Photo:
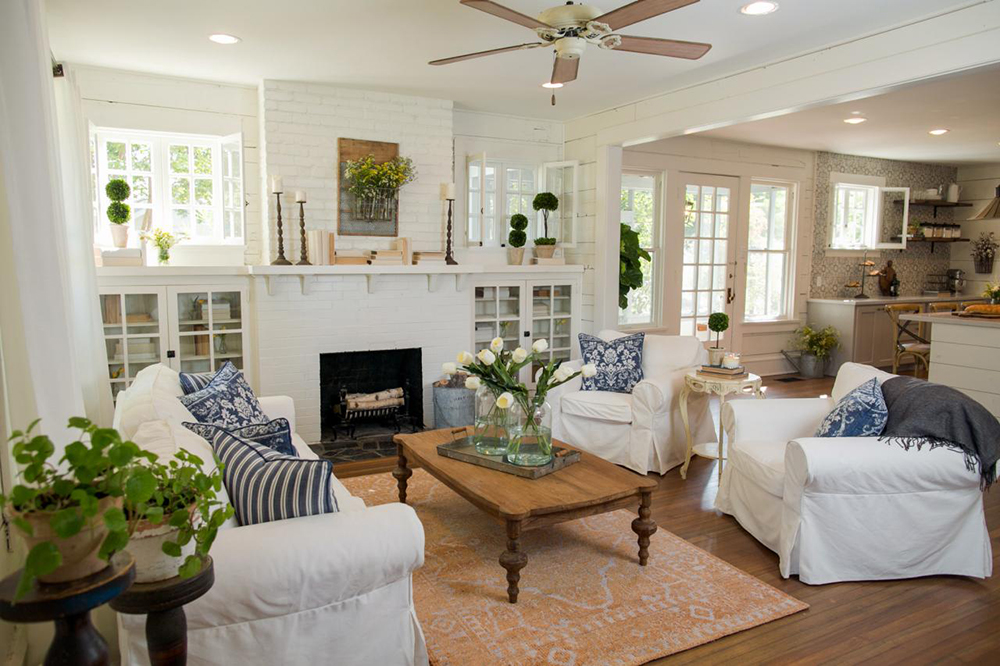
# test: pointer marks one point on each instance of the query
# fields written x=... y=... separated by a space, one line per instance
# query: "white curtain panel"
x=86 y=326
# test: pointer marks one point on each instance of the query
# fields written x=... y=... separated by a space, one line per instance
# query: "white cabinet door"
x=208 y=327
x=553 y=311
x=135 y=331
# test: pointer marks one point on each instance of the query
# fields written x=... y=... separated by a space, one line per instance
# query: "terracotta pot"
x=79 y=552
x=146 y=546
x=545 y=251
x=715 y=355
x=119 y=234
x=515 y=256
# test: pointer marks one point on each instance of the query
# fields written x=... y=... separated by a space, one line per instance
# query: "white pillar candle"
x=276 y=185
x=300 y=196
x=447 y=191
x=731 y=360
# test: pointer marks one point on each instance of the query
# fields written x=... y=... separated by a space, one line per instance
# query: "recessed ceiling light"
x=938 y=132
x=855 y=120
x=223 y=38
x=760 y=8
x=549 y=84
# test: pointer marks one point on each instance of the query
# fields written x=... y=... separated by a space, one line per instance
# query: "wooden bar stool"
x=943 y=307
x=905 y=341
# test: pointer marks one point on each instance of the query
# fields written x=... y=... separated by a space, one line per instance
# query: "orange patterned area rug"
x=584 y=598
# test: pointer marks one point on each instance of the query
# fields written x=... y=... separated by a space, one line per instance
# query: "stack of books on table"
x=436 y=258
x=351 y=258
x=719 y=371
x=549 y=261
x=387 y=258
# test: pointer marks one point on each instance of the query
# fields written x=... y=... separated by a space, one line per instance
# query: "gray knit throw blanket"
x=925 y=414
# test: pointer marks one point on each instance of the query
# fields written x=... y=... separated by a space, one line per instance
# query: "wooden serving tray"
x=976 y=315
x=465 y=450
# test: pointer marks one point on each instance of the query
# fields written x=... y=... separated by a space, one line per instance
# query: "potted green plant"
x=375 y=186
x=119 y=213
x=69 y=511
x=816 y=346
x=718 y=323
x=629 y=264
x=992 y=292
x=164 y=241
x=545 y=245
x=174 y=521
x=516 y=239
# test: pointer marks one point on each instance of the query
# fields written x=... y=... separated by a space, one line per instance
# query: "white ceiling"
x=898 y=123
x=385 y=45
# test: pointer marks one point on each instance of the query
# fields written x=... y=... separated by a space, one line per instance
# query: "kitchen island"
x=965 y=354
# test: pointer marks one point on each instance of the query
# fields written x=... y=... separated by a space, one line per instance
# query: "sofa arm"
x=654 y=395
x=290 y=566
x=867 y=466
x=781 y=419
x=279 y=407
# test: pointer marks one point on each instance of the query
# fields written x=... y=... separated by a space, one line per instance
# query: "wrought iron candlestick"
x=449 y=257
x=280 y=260
x=304 y=261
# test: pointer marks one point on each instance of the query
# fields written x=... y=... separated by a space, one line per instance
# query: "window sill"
x=771 y=325
x=836 y=252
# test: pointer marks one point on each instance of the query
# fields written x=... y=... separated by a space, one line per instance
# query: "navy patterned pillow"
x=618 y=362
x=265 y=486
x=860 y=413
x=192 y=382
x=227 y=400
x=276 y=434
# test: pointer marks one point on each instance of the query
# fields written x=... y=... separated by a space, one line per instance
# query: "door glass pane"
x=687 y=278
x=704 y=272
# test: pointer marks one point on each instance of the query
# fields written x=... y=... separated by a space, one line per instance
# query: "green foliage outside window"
x=631 y=255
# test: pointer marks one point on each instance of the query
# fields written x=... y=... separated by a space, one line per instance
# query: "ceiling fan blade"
x=565 y=70
x=500 y=11
x=672 y=48
x=480 y=54
x=640 y=10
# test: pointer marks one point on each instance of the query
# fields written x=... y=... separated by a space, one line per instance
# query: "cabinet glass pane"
x=228 y=346
x=192 y=312
x=238 y=362
x=562 y=300
x=116 y=388
x=485 y=331
x=142 y=313
x=510 y=302
x=142 y=350
x=111 y=314
x=541 y=328
x=486 y=303
x=194 y=347
x=541 y=305
x=116 y=357
x=198 y=365
x=561 y=334
x=226 y=312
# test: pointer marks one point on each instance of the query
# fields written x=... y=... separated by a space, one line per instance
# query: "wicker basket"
x=984 y=265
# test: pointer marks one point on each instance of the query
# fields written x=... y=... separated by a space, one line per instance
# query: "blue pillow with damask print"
x=860 y=413
x=227 y=400
x=276 y=434
x=618 y=362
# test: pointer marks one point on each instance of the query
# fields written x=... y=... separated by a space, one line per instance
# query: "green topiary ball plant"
x=517 y=237
x=718 y=322
x=118 y=191
x=545 y=202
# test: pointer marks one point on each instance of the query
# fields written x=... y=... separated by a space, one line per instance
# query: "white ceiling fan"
x=570 y=27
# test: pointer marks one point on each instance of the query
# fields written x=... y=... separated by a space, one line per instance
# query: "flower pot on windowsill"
x=545 y=251
x=119 y=234
x=515 y=256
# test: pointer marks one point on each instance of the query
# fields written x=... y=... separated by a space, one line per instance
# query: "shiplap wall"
x=979 y=185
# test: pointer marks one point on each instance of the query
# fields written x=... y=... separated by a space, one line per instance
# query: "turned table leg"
x=685 y=392
x=512 y=559
x=644 y=526
x=166 y=637
x=77 y=642
x=402 y=472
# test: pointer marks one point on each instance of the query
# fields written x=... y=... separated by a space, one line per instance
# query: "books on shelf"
x=719 y=371
x=387 y=258
x=405 y=246
x=351 y=258
x=428 y=258
x=320 y=244
x=549 y=261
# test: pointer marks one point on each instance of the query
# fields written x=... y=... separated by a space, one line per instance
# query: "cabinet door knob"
x=171 y=353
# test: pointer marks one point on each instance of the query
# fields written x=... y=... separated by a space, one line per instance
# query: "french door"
x=708 y=266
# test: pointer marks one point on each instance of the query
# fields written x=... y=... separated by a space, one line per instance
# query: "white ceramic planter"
x=146 y=546
x=515 y=256
x=119 y=234
x=545 y=251
x=715 y=355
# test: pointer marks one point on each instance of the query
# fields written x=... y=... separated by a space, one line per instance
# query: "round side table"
x=76 y=642
x=695 y=382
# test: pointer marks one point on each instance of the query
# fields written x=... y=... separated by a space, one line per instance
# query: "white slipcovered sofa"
x=331 y=589
x=851 y=508
x=643 y=430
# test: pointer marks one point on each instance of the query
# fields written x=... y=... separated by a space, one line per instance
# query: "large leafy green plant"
x=630 y=264
x=818 y=342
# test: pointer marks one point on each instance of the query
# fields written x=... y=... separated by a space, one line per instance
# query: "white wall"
x=979 y=185
x=130 y=100
x=760 y=343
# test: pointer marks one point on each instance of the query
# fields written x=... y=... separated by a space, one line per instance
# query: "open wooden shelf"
x=933 y=241
x=936 y=203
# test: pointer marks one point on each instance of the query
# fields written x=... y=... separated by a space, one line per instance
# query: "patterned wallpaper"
x=912 y=264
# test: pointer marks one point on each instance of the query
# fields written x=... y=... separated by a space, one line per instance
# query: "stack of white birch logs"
x=357 y=402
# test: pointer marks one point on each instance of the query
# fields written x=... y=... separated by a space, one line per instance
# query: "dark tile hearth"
x=353 y=452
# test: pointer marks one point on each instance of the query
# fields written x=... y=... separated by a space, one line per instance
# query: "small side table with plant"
x=545 y=245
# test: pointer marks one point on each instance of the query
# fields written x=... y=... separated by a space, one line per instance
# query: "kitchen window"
x=768 y=281
x=864 y=214
x=641 y=211
x=192 y=184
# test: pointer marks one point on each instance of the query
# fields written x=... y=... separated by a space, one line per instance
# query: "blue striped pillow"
x=192 y=382
x=265 y=486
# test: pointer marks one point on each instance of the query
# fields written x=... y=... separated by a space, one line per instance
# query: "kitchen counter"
x=946 y=318
x=885 y=300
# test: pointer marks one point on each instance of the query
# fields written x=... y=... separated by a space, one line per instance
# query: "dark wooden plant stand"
x=163 y=605
x=76 y=642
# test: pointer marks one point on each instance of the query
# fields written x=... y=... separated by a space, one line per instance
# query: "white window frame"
x=791 y=206
x=565 y=230
x=161 y=176
x=875 y=186
x=655 y=251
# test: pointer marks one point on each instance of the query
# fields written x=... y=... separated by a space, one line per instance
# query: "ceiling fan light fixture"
x=938 y=132
x=223 y=38
x=759 y=8
x=549 y=84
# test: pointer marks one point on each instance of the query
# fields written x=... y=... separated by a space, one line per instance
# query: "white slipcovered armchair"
x=643 y=430
x=850 y=508
x=299 y=591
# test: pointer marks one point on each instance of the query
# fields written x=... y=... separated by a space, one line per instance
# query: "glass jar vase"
x=491 y=431
x=531 y=435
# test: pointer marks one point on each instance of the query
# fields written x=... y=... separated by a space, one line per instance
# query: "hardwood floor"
x=940 y=619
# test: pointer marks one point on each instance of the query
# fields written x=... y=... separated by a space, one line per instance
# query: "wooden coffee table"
x=589 y=487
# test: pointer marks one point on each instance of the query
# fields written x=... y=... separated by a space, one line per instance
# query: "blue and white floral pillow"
x=227 y=401
x=860 y=413
x=275 y=435
x=618 y=362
